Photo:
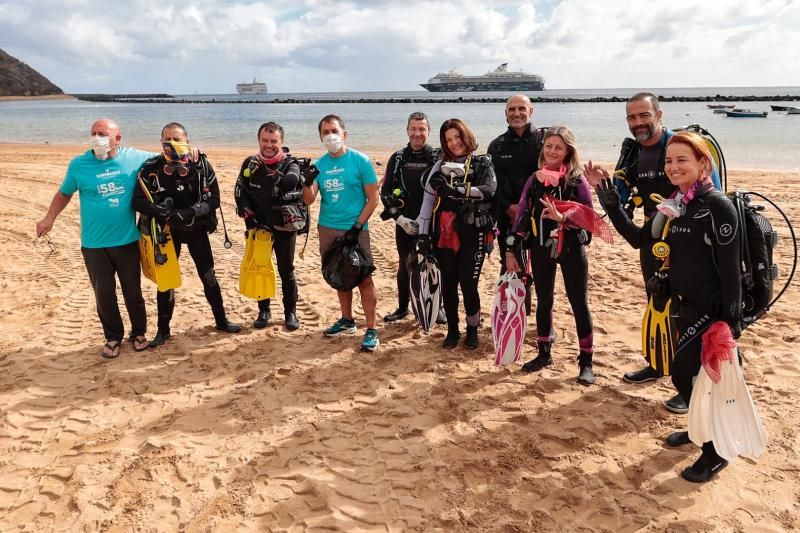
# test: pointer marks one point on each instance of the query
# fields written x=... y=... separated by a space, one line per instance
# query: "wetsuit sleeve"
x=725 y=244
x=488 y=185
x=633 y=234
x=291 y=178
x=389 y=178
x=240 y=193
x=523 y=201
x=428 y=200
x=141 y=202
x=583 y=193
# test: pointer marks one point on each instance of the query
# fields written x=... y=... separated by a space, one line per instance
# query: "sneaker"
x=642 y=376
x=343 y=325
x=371 y=341
x=399 y=314
x=677 y=405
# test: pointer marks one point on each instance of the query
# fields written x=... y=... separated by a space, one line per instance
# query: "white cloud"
x=316 y=45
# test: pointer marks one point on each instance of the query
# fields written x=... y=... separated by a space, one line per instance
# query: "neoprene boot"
x=264 y=314
x=166 y=306
x=707 y=466
x=586 y=374
x=540 y=361
x=451 y=340
x=471 y=341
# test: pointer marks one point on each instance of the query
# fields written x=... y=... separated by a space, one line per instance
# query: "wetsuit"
x=187 y=203
x=458 y=226
x=534 y=231
x=704 y=272
x=269 y=196
x=515 y=159
x=404 y=171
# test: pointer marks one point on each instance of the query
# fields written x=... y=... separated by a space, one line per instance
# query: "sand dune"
x=271 y=430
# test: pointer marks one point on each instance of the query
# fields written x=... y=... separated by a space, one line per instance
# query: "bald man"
x=515 y=156
x=105 y=179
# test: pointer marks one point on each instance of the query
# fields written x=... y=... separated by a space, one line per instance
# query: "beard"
x=643 y=133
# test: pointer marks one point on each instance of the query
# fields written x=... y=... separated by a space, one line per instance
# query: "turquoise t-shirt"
x=341 y=187
x=106 y=196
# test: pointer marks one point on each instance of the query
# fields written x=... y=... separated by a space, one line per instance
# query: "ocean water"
x=770 y=142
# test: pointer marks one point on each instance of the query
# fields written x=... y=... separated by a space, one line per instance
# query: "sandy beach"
x=272 y=430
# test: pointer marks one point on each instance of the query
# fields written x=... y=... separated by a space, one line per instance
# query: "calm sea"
x=770 y=142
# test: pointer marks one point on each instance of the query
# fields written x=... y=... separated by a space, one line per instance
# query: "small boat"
x=793 y=111
x=721 y=111
x=782 y=107
x=720 y=106
x=746 y=113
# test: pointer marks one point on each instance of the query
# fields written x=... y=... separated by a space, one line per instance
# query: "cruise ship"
x=500 y=79
x=257 y=87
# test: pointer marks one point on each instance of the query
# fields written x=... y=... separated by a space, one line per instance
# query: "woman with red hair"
x=697 y=229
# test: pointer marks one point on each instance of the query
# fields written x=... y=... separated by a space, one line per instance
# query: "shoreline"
x=379 y=157
x=41 y=97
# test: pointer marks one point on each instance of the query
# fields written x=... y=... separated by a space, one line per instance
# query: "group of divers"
x=450 y=203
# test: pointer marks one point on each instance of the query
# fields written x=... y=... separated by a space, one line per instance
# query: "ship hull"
x=252 y=88
x=483 y=86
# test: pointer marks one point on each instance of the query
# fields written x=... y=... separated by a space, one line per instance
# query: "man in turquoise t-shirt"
x=348 y=190
x=105 y=178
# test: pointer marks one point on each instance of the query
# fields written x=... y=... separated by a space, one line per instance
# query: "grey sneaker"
x=343 y=325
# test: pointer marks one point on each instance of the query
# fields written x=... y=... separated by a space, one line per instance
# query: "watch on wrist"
x=358 y=225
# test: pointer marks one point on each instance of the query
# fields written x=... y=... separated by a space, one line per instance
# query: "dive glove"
x=407 y=225
x=444 y=189
x=309 y=172
x=608 y=195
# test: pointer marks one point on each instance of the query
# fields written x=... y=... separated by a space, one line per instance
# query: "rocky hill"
x=18 y=79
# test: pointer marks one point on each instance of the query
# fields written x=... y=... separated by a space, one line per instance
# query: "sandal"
x=140 y=343
x=113 y=347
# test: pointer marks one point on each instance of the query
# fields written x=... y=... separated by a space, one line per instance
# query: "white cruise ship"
x=500 y=79
x=257 y=87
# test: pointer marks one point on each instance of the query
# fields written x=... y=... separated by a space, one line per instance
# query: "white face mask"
x=100 y=145
x=333 y=143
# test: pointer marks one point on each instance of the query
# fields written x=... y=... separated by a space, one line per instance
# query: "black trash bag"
x=346 y=265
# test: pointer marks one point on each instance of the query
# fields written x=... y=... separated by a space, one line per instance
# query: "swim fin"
x=736 y=428
x=257 y=272
x=657 y=334
x=426 y=290
x=157 y=256
x=509 y=319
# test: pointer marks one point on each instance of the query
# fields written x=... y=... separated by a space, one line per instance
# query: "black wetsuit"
x=273 y=192
x=187 y=203
x=704 y=273
x=514 y=158
x=573 y=261
x=472 y=219
x=404 y=171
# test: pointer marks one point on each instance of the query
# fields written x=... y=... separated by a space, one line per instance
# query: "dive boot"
x=228 y=326
x=263 y=319
x=399 y=314
x=471 y=341
x=542 y=360
x=451 y=340
x=161 y=337
x=706 y=467
x=586 y=375
x=291 y=321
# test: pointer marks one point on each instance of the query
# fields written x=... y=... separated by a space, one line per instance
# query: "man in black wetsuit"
x=515 y=156
x=269 y=195
x=185 y=195
x=402 y=191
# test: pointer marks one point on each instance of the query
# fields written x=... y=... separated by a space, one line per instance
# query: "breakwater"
x=169 y=99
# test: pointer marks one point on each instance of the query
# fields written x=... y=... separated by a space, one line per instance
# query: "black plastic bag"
x=346 y=265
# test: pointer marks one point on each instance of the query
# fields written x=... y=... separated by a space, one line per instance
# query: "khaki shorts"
x=327 y=236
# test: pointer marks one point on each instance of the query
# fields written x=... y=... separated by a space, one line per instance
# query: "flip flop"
x=114 y=347
x=140 y=343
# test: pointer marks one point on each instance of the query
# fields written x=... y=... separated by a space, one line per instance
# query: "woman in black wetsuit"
x=536 y=227
x=704 y=273
x=455 y=219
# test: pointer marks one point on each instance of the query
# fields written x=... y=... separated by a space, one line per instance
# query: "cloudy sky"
x=207 y=46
